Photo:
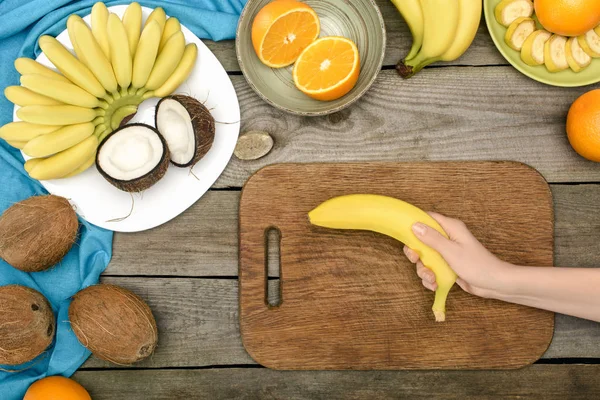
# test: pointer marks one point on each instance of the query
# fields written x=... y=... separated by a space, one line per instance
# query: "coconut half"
x=187 y=126
x=133 y=157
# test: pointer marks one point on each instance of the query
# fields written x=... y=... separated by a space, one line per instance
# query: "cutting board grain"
x=350 y=299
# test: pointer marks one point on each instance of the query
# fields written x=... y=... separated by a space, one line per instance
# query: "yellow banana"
x=120 y=56
x=132 y=20
x=71 y=31
x=94 y=56
x=158 y=15
x=88 y=163
x=59 y=140
x=17 y=144
x=70 y=67
x=181 y=73
x=65 y=162
x=468 y=23
x=32 y=162
x=412 y=14
x=172 y=26
x=56 y=115
x=99 y=27
x=440 y=23
x=391 y=217
x=145 y=55
x=58 y=90
x=167 y=61
x=27 y=66
x=25 y=131
x=24 y=97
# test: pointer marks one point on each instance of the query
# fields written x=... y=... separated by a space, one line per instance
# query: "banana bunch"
x=442 y=30
x=394 y=218
x=118 y=64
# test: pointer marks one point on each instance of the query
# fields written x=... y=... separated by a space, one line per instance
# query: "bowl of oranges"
x=556 y=42
x=310 y=58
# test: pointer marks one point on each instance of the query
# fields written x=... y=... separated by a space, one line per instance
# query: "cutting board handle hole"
x=273 y=290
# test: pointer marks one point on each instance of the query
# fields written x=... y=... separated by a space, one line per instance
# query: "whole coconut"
x=26 y=324
x=38 y=232
x=113 y=323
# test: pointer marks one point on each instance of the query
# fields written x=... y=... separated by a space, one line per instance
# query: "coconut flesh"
x=38 y=232
x=133 y=157
x=113 y=323
x=187 y=126
x=26 y=324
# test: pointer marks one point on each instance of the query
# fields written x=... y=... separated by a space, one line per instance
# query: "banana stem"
x=148 y=94
x=414 y=50
x=408 y=68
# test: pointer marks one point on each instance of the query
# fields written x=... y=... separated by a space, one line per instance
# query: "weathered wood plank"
x=399 y=40
x=203 y=241
x=198 y=325
x=443 y=114
x=545 y=382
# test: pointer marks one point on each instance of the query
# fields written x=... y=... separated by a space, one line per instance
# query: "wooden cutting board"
x=351 y=300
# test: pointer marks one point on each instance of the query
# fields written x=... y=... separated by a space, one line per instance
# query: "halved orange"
x=328 y=68
x=281 y=30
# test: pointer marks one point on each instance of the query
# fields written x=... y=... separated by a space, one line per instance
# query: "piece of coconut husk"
x=145 y=181
x=203 y=125
x=38 y=232
x=113 y=323
x=26 y=324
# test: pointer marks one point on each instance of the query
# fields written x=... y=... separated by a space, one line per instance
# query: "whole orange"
x=56 y=388
x=583 y=125
x=568 y=17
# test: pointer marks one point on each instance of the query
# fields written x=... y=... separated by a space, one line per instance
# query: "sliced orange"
x=328 y=68
x=281 y=30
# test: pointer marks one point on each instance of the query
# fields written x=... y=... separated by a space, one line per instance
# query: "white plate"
x=98 y=201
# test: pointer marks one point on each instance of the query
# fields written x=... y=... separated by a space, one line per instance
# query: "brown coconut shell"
x=203 y=124
x=26 y=324
x=38 y=232
x=145 y=181
x=113 y=323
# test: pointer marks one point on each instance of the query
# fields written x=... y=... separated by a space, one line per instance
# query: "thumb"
x=432 y=238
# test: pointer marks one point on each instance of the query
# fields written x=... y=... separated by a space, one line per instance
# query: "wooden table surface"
x=476 y=108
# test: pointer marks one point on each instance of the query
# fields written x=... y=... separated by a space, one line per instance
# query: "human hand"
x=479 y=271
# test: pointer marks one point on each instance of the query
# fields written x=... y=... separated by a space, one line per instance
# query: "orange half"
x=281 y=30
x=328 y=68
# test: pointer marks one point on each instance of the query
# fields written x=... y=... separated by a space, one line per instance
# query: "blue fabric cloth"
x=22 y=23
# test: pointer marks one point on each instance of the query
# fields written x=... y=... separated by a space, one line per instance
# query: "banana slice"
x=555 y=56
x=518 y=32
x=596 y=29
x=576 y=57
x=508 y=11
x=590 y=43
x=532 y=52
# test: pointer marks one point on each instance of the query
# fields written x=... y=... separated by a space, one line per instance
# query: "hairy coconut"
x=113 y=323
x=187 y=126
x=26 y=324
x=133 y=157
x=38 y=232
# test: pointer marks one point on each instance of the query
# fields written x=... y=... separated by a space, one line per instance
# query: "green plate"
x=358 y=20
x=566 y=78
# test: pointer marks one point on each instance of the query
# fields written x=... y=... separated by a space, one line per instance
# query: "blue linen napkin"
x=23 y=22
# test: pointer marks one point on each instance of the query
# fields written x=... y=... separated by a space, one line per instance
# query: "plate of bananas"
x=127 y=114
x=553 y=59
